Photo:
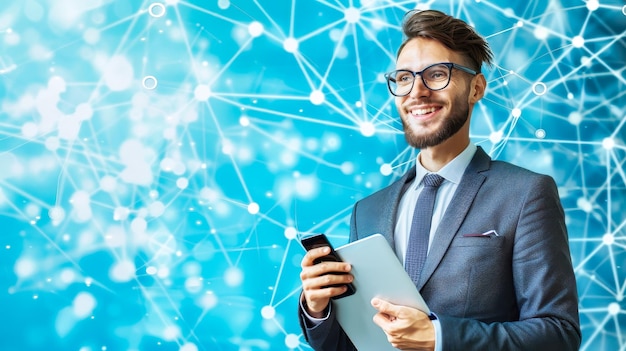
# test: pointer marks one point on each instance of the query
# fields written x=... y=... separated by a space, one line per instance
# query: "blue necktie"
x=420 y=227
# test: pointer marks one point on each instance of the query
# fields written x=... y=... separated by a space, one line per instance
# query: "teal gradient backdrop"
x=161 y=159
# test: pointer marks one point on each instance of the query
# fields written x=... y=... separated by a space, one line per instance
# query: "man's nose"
x=419 y=88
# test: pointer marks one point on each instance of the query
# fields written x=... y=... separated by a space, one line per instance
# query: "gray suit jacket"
x=515 y=291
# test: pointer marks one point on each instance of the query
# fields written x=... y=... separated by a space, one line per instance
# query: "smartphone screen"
x=320 y=240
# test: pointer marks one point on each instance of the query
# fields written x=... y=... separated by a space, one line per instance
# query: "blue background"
x=161 y=159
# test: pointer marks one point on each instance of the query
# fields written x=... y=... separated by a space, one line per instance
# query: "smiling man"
x=484 y=241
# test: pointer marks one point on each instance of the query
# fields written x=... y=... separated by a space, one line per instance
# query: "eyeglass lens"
x=435 y=77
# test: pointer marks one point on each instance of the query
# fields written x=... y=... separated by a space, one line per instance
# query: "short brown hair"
x=451 y=32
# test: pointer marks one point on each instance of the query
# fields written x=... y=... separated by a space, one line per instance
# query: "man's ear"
x=477 y=88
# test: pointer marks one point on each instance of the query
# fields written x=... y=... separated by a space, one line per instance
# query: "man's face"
x=432 y=117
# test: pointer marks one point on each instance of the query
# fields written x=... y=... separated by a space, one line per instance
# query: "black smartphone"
x=319 y=240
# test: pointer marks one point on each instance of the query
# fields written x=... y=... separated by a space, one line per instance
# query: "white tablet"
x=377 y=273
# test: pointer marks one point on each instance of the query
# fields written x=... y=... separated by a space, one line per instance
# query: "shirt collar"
x=453 y=171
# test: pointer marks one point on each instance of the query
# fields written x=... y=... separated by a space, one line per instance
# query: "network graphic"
x=161 y=159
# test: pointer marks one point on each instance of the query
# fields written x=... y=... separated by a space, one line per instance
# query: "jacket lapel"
x=455 y=213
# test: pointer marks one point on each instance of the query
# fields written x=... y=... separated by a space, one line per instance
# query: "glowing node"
x=156 y=10
x=592 y=5
x=149 y=82
x=208 y=301
x=608 y=143
x=386 y=169
x=291 y=233
x=182 y=183
x=171 y=333
x=347 y=167
x=30 y=130
x=292 y=341
x=83 y=305
x=584 y=205
x=508 y=12
x=352 y=15
x=151 y=270
x=496 y=137
x=223 y=4
x=516 y=112
x=122 y=271
x=255 y=29
x=233 y=277
x=317 y=97
x=540 y=133
x=291 y=45
x=578 y=41
x=202 y=92
x=56 y=214
x=519 y=24
x=367 y=129
x=575 y=118
x=570 y=96
x=253 y=208
x=624 y=10
x=608 y=239
x=189 y=347
x=541 y=33
x=268 y=312
x=585 y=61
x=614 y=308
x=25 y=267
x=540 y=88
x=358 y=104
x=244 y=121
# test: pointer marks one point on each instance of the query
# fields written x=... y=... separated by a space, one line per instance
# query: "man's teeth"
x=423 y=111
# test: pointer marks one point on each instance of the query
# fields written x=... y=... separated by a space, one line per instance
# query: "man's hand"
x=317 y=278
x=406 y=328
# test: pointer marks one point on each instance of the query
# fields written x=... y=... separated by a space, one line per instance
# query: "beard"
x=451 y=125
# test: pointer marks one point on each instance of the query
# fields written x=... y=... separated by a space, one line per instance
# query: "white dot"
x=519 y=24
x=156 y=209
x=156 y=10
x=570 y=96
x=575 y=118
x=290 y=233
x=208 y=301
x=614 y=308
x=592 y=5
x=244 y=121
x=585 y=61
x=149 y=82
x=292 y=341
x=584 y=205
x=540 y=88
x=608 y=143
x=367 y=129
x=291 y=45
x=578 y=41
x=495 y=137
x=189 y=347
x=151 y=270
x=171 y=333
x=223 y=4
x=233 y=276
x=541 y=33
x=253 y=208
x=347 y=167
x=352 y=15
x=268 y=312
x=182 y=183
x=29 y=130
x=386 y=169
x=56 y=214
x=25 y=267
x=255 y=29
x=317 y=97
x=83 y=305
x=516 y=112
x=540 y=133
x=624 y=10
x=202 y=92
x=122 y=271
x=608 y=239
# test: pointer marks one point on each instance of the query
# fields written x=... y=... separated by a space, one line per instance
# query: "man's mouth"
x=419 y=112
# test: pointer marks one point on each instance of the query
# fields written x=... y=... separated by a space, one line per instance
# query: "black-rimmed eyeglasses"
x=435 y=77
